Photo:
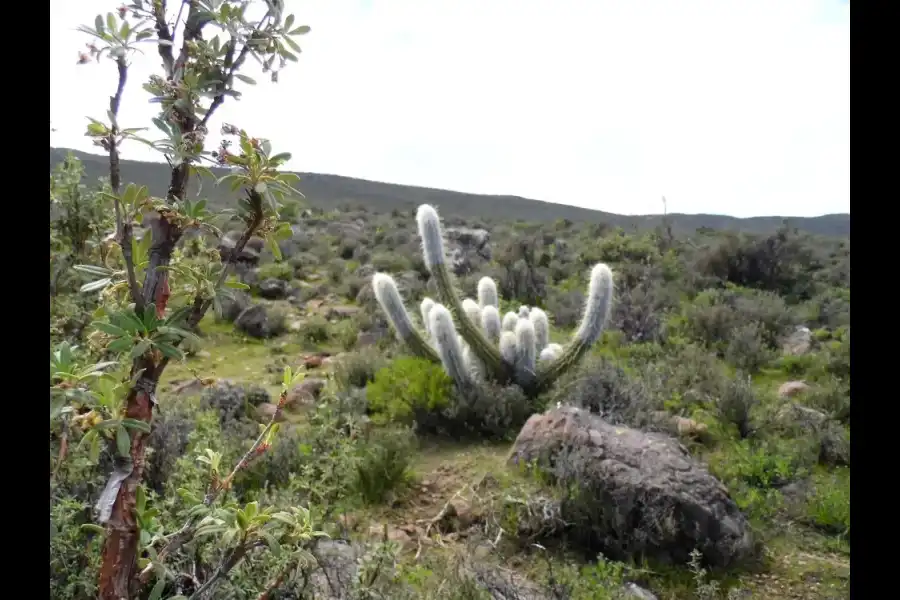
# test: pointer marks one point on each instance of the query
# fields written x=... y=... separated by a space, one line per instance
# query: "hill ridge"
x=331 y=191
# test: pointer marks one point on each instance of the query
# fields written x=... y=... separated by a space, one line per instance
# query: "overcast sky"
x=737 y=107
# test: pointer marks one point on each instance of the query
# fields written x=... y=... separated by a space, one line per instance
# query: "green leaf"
x=93 y=528
x=281 y=158
x=107 y=424
x=245 y=79
x=98 y=24
x=120 y=345
x=288 y=376
x=96 y=129
x=294 y=46
x=109 y=328
x=94 y=447
x=141 y=426
x=95 y=285
x=123 y=442
x=110 y=22
x=169 y=351
x=238 y=285
x=302 y=30
x=140 y=498
x=274 y=546
x=140 y=348
x=288 y=22
x=273 y=246
x=94 y=270
x=158 y=589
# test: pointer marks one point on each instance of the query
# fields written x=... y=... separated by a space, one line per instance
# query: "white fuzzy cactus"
x=516 y=349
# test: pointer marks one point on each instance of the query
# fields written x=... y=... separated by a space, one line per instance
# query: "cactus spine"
x=516 y=349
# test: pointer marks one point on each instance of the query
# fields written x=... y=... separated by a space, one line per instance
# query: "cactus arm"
x=449 y=347
x=424 y=308
x=490 y=322
x=541 y=328
x=487 y=293
x=433 y=251
x=508 y=347
x=525 y=345
x=392 y=304
x=596 y=313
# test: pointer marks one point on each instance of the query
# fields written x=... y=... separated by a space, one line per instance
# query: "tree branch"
x=124 y=233
x=164 y=34
x=183 y=535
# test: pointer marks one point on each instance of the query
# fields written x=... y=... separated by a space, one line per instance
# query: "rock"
x=797 y=414
x=250 y=253
x=790 y=389
x=273 y=289
x=314 y=361
x=643 y=493
x=232 y=399
x=798 y=342
x=834 y=445
x=305 y=393
x=336 y=566
x=341 y=312
x=676 y=425
x=266 y=411
x=632 y=591
x=365 y=339
x=254 y=321
x=231 y=305
x=394 y=534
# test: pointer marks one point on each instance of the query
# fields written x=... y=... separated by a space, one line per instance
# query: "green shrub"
x=406 y=387
x=315 y=330
x=358 y=369
x=383 y=464
x=746 y=349
x=276 y=270
x=828 y=507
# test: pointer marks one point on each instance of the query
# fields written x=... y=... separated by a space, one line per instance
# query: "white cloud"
x=738 y=108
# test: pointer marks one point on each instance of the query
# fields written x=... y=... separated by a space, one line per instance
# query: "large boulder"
x=256 y=322
x=232 y=304
x=274 y=289
x=633 y=493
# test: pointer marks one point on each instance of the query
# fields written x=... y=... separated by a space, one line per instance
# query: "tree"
x=203 y=46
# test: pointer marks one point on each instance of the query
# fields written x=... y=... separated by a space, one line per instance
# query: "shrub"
x=736 y=403
x=831 y=396
x=383 y=463
x=603 y=387
x=276 y=270
x=358 y=369
x=408 y=387
x=714 y=314
x=315 y=330
x=233 y=401
x=747 y=349
x=828 y=507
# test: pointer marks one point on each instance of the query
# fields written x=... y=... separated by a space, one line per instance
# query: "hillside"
x=334 y=190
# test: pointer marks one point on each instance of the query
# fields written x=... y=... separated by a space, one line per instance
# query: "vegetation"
x=287 y=444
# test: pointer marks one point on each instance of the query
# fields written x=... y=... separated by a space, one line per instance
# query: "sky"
x=733 y=107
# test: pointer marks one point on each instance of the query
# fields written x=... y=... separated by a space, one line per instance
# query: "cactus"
x=514 y=350
x=509 y=321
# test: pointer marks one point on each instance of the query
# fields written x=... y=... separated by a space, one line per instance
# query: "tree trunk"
x=120 y=548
